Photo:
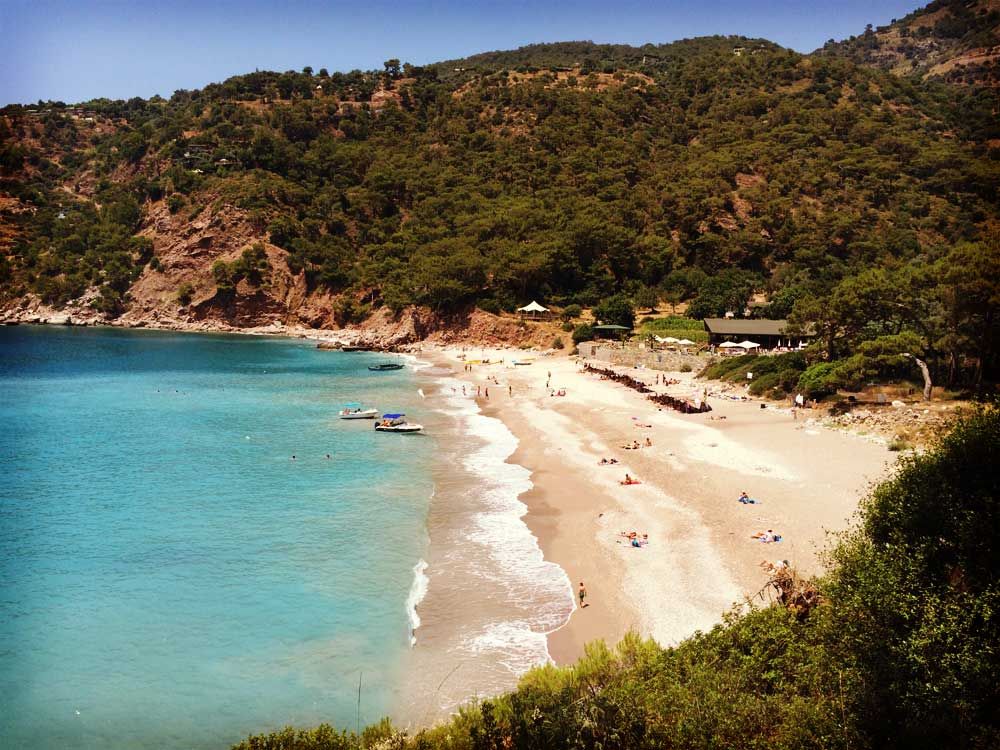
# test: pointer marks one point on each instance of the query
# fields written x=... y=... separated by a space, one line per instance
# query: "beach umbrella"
x=685 y=342
x=748 y=344
x=729 y=345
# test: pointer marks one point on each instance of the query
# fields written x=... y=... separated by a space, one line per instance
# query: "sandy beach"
x=700 y=559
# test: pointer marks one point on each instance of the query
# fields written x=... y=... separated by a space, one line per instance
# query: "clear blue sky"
x=75 y=50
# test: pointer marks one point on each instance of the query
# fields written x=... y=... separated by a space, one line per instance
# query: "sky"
x=75 y=50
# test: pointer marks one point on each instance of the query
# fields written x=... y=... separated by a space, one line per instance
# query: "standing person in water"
x=582 y=593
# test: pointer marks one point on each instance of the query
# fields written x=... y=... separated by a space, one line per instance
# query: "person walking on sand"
x=582 y=594
x=510 y=390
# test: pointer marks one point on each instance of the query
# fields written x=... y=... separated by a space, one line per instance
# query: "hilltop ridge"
x=705 y=171
x=957 y=41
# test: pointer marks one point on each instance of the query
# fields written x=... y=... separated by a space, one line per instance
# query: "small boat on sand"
x=357 y=411
x=396 y=423
x=382 y=367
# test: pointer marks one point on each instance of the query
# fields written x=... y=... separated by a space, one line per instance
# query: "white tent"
x=729 y=345
x=748 y=344
x=534 y=310
x=665 y=339
x=685 y=342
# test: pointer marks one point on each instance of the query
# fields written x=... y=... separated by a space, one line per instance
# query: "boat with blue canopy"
x=396 y=423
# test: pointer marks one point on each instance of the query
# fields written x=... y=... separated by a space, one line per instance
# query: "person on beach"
x=487 y=393
x=582 y=594
x=510 y=390
x=649 y=443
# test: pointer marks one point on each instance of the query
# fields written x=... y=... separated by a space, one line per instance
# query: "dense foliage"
x=902 y=653
x=708 y=171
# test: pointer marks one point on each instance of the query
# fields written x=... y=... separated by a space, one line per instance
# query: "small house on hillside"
x=770 y=334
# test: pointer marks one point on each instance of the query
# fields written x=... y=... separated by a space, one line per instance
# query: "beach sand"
x=700 y=559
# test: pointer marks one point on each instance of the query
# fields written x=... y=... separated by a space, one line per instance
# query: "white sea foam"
x=418 y=590
x=539 y=591
x=514 y=644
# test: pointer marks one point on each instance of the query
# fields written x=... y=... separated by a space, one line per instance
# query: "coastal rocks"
x=898 y=422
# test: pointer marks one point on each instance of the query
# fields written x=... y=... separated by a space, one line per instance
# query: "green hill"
x=706 y=170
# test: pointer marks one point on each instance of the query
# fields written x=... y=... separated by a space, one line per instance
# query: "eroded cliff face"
x=185 y=250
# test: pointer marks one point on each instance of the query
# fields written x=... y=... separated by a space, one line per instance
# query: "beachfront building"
x=769 y=334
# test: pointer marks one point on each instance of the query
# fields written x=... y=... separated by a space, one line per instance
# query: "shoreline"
x=700 y=561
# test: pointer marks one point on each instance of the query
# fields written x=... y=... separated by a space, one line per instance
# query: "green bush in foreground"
x=902 y=653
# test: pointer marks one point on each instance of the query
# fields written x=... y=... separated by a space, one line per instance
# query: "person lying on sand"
x=746 y=499
x=634 y=539
x=629 y=480
x=641 y=424
x=607 y=461
x=766 y=536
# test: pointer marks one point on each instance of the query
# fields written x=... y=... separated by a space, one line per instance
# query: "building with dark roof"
x=770 y=334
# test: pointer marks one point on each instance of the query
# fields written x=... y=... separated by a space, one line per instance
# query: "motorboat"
x=396 y=423
x=384 y=366
x=357 y=411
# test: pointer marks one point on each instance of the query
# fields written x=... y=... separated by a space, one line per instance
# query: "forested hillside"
x=953 y=40
x=707 y=171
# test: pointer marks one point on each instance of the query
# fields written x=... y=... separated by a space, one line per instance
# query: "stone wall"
x=633 y=355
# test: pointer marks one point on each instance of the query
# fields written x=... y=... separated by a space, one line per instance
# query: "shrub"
x=686 y=367
x=570 y=312
x=557 y=343
x=567 y=327
x=583 y=332
x=185 y=292
x=616 y=310
x=898 y=444
x=819 y=380
x=175 y=203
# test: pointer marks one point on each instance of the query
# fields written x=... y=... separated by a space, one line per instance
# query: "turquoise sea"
x=171 y=577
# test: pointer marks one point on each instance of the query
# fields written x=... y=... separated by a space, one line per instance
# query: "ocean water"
x=171 y=578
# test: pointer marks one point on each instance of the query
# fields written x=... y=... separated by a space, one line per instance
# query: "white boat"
x=356 y=411
x=396 y=423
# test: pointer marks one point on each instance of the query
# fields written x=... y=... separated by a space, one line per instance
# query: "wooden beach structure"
x=768 y=334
